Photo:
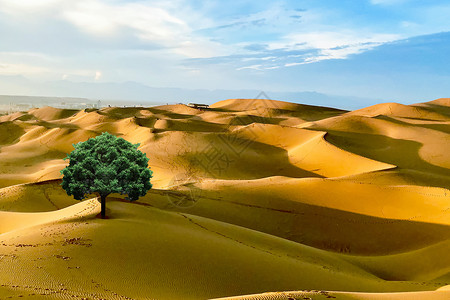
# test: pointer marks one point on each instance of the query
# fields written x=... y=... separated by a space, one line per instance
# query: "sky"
x=389 y=50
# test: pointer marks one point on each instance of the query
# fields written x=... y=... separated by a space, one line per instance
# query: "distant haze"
x=347 y=54
x=131 y=93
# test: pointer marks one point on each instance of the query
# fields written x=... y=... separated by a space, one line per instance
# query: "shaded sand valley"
x=264 y=198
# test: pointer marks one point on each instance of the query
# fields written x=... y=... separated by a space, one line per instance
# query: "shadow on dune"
x=399 y=152
x=52 y=113
x=219 y=109
x=250 y=119
x=441 y=109
x=168 y=125
x=168 y=113
x=320 y=227
x=116 y=112
x=230 y=156
x=55 y=125
x=10 y=133
x=306 y=113
x=444 y=128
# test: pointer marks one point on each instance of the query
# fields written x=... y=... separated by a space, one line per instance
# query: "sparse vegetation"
x=106 y=164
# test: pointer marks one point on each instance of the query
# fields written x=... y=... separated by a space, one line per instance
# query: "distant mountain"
x=39 y=100
x=136 y=93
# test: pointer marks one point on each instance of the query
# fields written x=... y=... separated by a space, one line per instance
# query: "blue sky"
x=392 y=50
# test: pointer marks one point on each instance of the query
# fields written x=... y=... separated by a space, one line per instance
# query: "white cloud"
x=317 y=34
x=330 y=45
x=13 y=6
x=408 y=25
x=294 y=64
x=172 y=27
x=22 y=69
x=148 y=22
x=331 y=39
x=272 y=68
x=42 y=66
x=92 y=17
x=388 y=2
x=268 y=58
x=24 y=55
x=252 y=67
x=258 y=67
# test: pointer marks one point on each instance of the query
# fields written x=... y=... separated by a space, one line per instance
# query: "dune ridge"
x=249 y=196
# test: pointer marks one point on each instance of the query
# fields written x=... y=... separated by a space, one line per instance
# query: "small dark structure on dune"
x=198 y=105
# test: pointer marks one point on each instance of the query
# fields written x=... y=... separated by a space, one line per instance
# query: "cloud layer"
x=200 y=44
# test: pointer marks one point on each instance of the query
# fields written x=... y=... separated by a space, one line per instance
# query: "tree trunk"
x=103 y=202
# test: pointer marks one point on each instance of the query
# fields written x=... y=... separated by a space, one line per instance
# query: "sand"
x=250 y=197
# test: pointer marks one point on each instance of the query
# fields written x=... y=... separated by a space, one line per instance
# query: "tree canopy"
x=106 y=164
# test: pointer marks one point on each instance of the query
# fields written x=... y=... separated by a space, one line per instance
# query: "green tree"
x=106 y=164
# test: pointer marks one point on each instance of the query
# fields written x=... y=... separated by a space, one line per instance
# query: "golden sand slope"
x=146 y=252
x=317 y=295
x=250 y=196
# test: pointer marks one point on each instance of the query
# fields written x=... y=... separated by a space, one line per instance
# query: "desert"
x=251 y=199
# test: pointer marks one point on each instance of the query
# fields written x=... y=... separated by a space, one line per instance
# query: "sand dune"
x=164 y=255
x=424 y=112
x=320 y=213
x=41 y=196
x=308 y=294
x=250 y=196
x=410 y=146
x=50 y=113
